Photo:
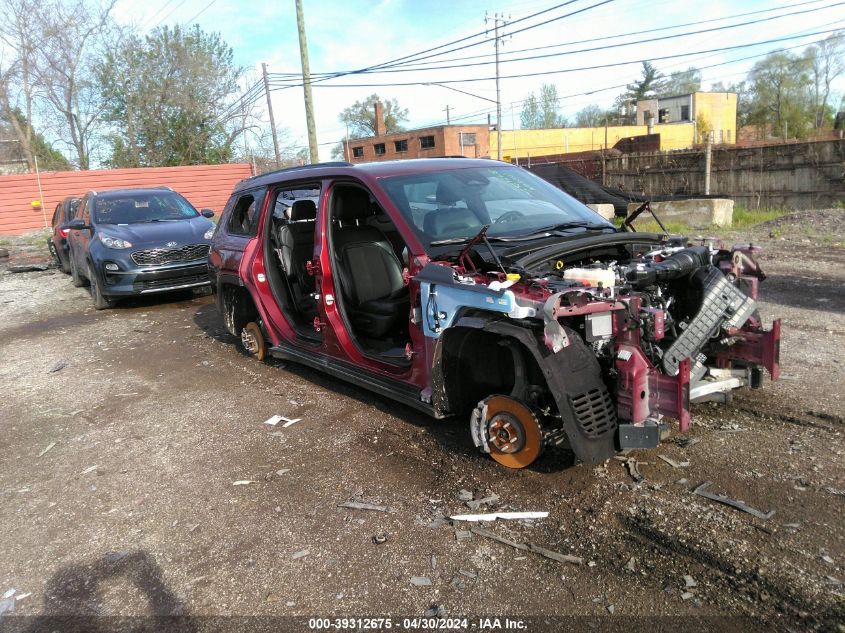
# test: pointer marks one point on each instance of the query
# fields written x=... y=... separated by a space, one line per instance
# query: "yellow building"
x=681 y=121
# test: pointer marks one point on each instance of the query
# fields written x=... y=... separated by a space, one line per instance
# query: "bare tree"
x=827 y=63
x=20 y=22
x=66 y=70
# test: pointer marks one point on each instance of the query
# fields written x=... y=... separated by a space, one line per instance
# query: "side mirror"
x=207 y=213
x=77 y=224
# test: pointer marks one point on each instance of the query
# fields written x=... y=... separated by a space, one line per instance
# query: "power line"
x=609 y=46
x=170 y=12
x=407 y=57
x=207 y=7
x=577 y=69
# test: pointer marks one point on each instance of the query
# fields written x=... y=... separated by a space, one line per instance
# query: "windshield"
x=455 y=203
x=147 y=207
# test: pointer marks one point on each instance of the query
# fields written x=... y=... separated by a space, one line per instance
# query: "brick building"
x=472 y=141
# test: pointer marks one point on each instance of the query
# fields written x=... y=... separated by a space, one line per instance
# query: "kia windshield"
x=139 y=208
x=451 y=206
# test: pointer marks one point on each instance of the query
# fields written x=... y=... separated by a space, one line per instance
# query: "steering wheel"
x=507 y=216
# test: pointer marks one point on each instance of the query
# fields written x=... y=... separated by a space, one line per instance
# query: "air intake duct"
x=681 y=264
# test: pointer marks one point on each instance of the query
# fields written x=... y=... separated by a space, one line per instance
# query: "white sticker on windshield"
x=141 y=204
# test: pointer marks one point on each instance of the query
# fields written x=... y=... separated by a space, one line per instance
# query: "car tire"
x=76 y=279
x=100 y=302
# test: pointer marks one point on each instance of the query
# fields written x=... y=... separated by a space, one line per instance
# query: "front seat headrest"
x=352 y=203
x=302 y=210
x=446 y=194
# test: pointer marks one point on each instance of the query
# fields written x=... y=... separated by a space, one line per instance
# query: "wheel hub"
x=506 y=428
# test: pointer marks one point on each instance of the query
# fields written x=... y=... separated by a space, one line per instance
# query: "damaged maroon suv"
x=475 y=289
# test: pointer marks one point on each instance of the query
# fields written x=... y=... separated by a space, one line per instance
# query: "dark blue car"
x=138 y=241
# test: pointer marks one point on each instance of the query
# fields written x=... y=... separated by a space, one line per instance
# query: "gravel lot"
x=124 y=433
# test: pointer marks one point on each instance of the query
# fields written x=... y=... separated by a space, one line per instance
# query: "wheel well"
x=236 y=307
x=476 y=364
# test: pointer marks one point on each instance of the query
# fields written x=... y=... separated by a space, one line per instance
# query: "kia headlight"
x=210 y=232
x=113 y=242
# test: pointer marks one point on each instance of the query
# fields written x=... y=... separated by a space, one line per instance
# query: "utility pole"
x=306 y=81
x=448 y=120
x=272 y=119
x=708 y=161
x=497 y=19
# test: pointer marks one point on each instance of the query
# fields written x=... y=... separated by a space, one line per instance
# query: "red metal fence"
x=206 y=186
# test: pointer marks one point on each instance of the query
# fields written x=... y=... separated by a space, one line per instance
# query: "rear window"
x=140 y=208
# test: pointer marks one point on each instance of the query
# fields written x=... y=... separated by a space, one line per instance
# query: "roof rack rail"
x=284 y=170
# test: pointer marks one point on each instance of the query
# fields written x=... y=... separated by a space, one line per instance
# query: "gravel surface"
x=137 y=477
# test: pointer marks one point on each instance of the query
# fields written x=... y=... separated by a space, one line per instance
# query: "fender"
x=573 y=376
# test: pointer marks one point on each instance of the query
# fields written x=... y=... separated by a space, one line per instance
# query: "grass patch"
x=744 y=218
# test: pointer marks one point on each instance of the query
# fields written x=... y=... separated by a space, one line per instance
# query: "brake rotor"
x=253 y=340
x=508 y=430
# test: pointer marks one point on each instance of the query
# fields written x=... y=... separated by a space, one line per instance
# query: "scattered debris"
x=360 y=505
x=687 y=595
x=436 y=611
x=462 y=535
x=464 y=495
x=9 y=593
x=631 y=565
x=300 y=554
x=7 y=605
x=282 y=471
x=633 y=470
x=22 y=596
x=739 y=505
x=420 y=581
x=28 y=268
x=686 y=442
x=733 y=427
x=273 y=421
x=530 y=547
x=827 y=559
x=244 y=482
x=46 y=450
x=592 y=563
x=59 y=366
x=468 y=574
x=433 y=562
x=492 y=516
x=90 y=469
x=611 y=609
x=379 y=539
x=488 y=501
x=673 y=463
x=690 y=582
x=835 y=491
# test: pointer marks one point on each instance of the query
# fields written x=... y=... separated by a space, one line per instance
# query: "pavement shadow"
x=74 y=598
x=451 y=433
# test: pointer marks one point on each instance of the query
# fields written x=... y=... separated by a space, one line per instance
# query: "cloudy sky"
x=348 y=35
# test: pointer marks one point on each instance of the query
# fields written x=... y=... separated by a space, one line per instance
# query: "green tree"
x=163 y=94
x=780 y=100
x=590 y=116
x=542 y=112
x=680 y=82
x=827 y=64
x=361 y=117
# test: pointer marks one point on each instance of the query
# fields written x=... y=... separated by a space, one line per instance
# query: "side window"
x=244 y=218
x=85 y=211
x=57 y=215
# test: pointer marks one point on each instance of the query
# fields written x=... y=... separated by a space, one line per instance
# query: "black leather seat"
x=449 y=219
x=370 y=275
x=296 y=248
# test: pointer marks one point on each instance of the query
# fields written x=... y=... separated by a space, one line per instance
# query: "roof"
x=138 y=191
x=380 y=169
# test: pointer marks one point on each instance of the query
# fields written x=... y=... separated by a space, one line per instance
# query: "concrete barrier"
x=697 y=212
x=604 y=210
